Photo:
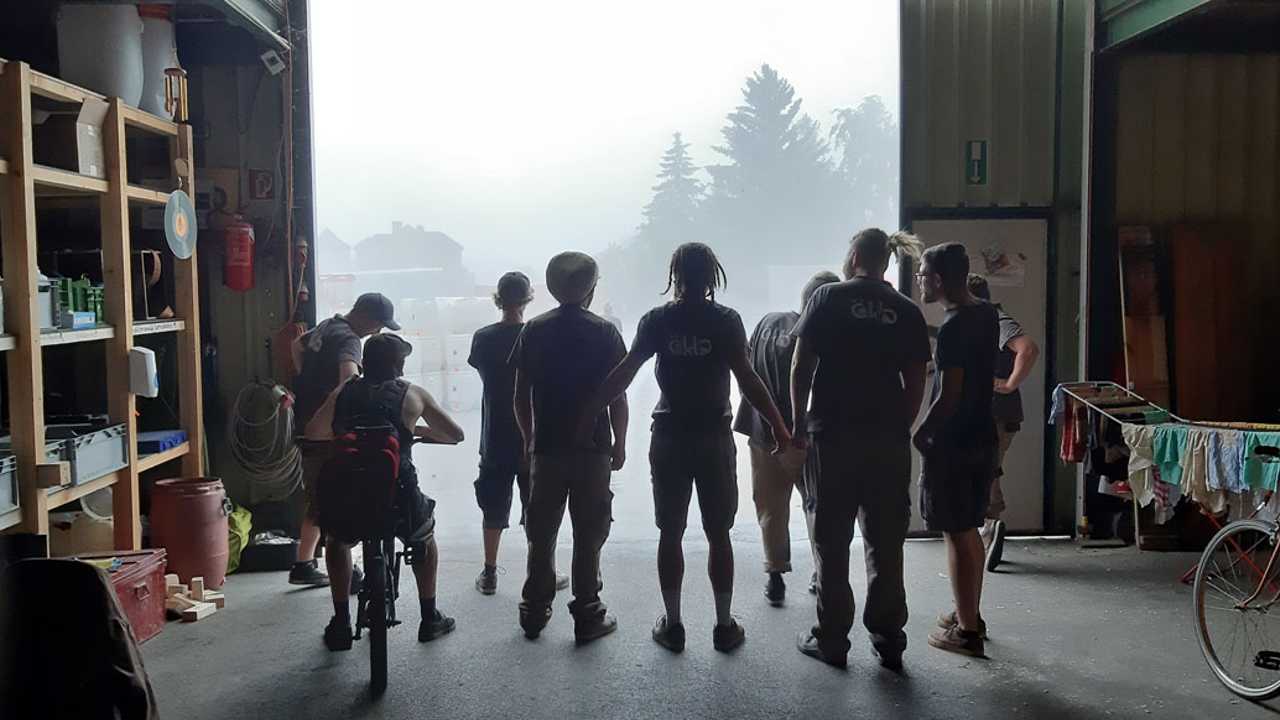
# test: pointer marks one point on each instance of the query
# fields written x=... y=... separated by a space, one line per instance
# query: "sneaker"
x=596 y=627
x=439 y=624
x=533 y=621
x=948 y=620
x=337 y=635
x=487 y=582
x=813 y=583
x=808 y=645
x=727 y=638
x=562 y=581
x=775 y=590
x=670 y=637
x=958 y=641
x=308 y=573
x=995 y=548
x=889 y=659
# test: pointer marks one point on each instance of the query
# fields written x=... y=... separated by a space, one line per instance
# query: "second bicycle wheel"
x=1236 y=609
x=376 y=577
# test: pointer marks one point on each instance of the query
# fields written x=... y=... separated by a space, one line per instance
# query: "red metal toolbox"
x=139 y=583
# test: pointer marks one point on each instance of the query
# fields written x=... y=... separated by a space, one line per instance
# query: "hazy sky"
x=523 y=128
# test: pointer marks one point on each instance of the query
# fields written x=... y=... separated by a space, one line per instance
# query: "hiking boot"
x=890 y=659
x=562 y=581
x=813 y=583
x=669 y=636
x=946 y=621
x=439 y=624
x=808 y=645
x=487 y=582
x=308 y=573
x=775 y=590
x=594 y=628
x=961 y=642
x=995 y=547
x=727 y=638
x=337 y=634
x=533 y=621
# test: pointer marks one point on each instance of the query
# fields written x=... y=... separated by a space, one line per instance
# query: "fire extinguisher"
x=237 y=267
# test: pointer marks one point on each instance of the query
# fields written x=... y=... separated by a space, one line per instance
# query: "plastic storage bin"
x=139 y=583
x=54 y=451
x=92 y=450
x=8 y=482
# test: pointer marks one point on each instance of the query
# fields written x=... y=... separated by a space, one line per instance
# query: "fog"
x=521 y=129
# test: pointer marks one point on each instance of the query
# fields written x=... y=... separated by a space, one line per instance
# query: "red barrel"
x=189 y=520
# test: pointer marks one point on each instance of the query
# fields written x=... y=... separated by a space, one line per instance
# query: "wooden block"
x=172 y=579
x=179 y=603
x=197 y=588
x=51 y=475
x=216 y=598
x=171 y=590
x=198 y=611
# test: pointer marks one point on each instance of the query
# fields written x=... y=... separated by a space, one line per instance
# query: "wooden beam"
x=117 y=304
x=59 y=179
x=147 y=195
x=75 y=492
x=70 y=337
x=144 y=120
x=147 y=462
x=18 y=220
x=187 y=290
x=53 y=474
x=55 y=89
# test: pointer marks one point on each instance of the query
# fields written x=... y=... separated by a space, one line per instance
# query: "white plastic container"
x=100 y=48
x=457 y=348
x=158 y=54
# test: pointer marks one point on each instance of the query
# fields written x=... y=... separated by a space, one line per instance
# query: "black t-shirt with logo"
x=491 y=357
x=694 y=342
x=864 y=334
x=567 y=353
x=771 y=348
x=324 y=349
x=968 y=339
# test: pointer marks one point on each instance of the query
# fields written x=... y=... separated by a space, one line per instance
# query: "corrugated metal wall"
x=978 y=70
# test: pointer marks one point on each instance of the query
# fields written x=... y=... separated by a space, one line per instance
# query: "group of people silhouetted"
x=829 y=400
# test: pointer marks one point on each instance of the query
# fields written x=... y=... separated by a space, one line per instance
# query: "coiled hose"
x=261 y=436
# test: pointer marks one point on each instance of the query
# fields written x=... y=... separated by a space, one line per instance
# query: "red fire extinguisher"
x=237 y=268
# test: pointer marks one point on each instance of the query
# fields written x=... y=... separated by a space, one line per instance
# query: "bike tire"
x=376 y=576
x=1206 y=571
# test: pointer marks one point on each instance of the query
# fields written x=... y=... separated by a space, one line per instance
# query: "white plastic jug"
x=100 y=48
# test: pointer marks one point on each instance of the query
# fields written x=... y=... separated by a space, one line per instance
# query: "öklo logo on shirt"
x=874 y=310
x=688 y=346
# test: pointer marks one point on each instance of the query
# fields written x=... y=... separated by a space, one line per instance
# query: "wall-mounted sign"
x=975 y=162
x=262 y=184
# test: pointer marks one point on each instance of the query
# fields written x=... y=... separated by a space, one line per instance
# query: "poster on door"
x=1002 y=266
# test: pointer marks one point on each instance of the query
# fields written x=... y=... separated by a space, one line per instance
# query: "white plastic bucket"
x=100 y=48
x=158 y=54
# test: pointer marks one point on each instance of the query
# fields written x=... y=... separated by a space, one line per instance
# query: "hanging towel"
x=1058 y=406
x=1259 y=474
x=1195 y=471
x=1141 y=480
x=1168 y=448
x=1226 y=468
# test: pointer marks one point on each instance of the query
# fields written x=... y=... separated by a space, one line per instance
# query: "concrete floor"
x=1075 y=633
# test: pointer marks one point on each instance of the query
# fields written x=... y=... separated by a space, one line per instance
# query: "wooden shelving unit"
x=21 y=182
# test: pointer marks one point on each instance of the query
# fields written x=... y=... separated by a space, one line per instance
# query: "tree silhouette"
x=674 y=207
x=865 y=141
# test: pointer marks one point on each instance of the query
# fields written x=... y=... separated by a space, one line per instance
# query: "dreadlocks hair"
x=695 y=272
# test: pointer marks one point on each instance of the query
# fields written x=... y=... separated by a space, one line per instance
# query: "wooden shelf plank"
x=8 y=342
x=68 y=337
x=55 y=89
x=75 y=492
x=11 y=518
x=58 y=179
x=147 y=195
x=147 y=462
x=155 y=327
x=133 y=117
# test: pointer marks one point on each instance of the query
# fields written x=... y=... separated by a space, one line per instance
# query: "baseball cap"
x=514 y=288
x=383 y=352
x=571 y=276
x=377 y=307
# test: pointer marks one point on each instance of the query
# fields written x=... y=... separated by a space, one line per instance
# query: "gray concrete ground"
x=1075 y=633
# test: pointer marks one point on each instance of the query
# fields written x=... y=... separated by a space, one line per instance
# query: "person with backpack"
x=699 y=343
x=381 y=397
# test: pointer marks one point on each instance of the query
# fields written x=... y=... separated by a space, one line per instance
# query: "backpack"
x=357 y=485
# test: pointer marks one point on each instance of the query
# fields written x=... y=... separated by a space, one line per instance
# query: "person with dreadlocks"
x=698 y=342
x=862 y=348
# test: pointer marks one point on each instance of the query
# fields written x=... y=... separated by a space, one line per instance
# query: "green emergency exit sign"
x=975 y=162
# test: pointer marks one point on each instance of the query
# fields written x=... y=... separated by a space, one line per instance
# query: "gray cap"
x=514 y=289
x=571 y=276
x=376 y=306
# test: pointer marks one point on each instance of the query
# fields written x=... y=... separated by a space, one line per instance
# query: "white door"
x=1013 y=256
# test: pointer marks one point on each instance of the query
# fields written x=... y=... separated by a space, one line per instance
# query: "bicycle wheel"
x=1240 y=642
x=376 y=576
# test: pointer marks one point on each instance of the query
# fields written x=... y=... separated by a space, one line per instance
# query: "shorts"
x=680 y=460
x=314 y=456
x=416 y=521
x=494 y=494
x=955 y=487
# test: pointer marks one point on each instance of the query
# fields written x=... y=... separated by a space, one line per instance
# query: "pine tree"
x=865 y=140
x=673 y=209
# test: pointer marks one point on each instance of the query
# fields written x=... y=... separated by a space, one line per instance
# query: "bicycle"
x=1237 y=585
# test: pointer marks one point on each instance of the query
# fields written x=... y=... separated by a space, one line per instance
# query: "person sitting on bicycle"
x=381 y=395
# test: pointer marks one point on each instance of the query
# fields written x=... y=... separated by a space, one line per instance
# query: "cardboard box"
x=73 y=141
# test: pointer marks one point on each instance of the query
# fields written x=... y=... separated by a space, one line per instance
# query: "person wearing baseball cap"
x=501 y=457
x=561 y=358
x=328 y=356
